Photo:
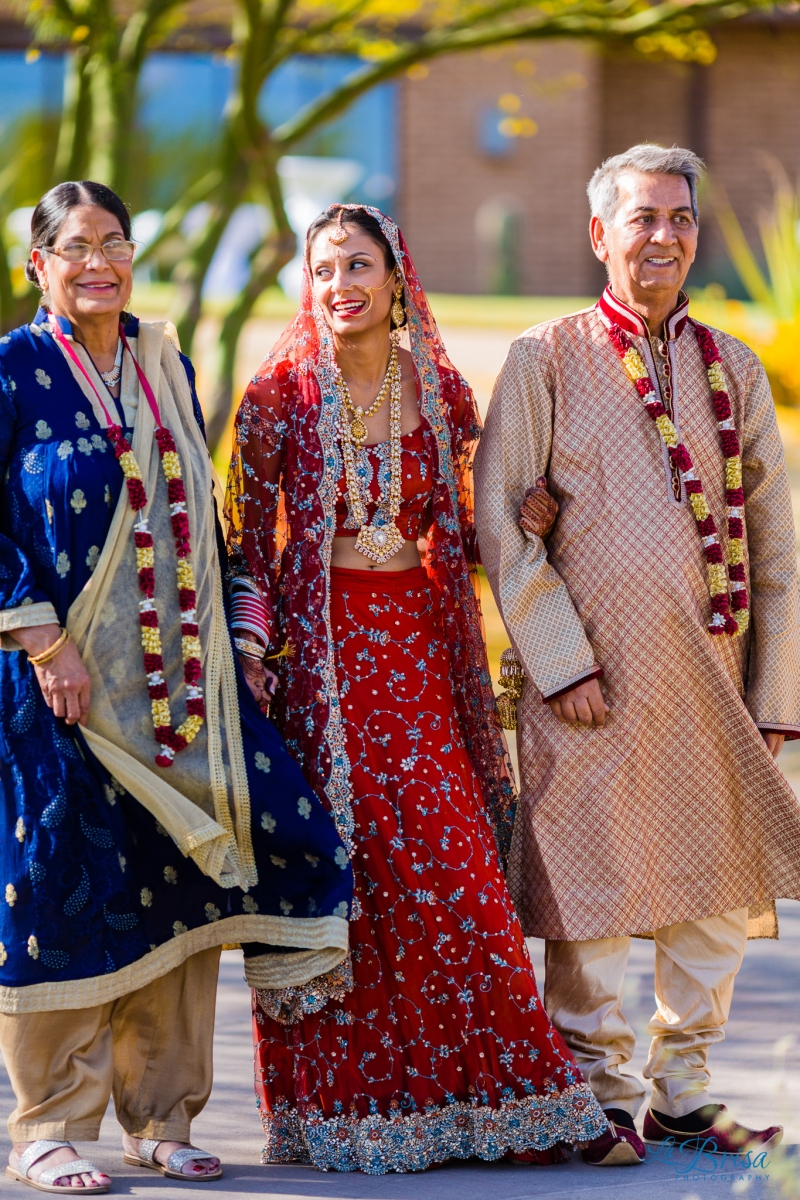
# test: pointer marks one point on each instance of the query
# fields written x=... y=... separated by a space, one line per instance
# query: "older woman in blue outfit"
x=132 y=847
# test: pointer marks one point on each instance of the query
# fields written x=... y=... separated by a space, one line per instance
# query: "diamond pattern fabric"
x=675 y=810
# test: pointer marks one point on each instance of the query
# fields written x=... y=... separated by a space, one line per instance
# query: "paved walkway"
x=756 y=1071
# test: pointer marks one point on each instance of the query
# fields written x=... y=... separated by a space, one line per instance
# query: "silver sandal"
x=178 y=1158
x=47 y=1180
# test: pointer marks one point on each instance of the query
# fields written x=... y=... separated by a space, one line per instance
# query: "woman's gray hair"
x=648 y=159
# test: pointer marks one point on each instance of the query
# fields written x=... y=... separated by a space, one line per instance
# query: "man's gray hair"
x=648 y=159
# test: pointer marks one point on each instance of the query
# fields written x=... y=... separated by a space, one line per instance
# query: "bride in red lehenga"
x=354 y=440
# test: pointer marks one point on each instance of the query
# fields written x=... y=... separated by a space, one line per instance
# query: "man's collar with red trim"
x=614 y=311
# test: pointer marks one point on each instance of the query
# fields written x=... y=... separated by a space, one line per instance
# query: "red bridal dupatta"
x=281 y=506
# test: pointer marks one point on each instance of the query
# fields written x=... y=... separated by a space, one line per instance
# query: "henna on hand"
x=539 y=510
x=260 y=680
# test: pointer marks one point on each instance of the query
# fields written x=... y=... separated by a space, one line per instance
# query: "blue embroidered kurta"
x=89 y=882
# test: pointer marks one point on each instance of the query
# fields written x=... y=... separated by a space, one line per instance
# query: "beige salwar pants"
x=696 y=964
x=152 y=1050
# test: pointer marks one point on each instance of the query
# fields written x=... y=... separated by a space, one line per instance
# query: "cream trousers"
x=696 y=964
x=152 y=1050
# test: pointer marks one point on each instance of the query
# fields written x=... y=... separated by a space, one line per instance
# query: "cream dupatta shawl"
x=202 y=800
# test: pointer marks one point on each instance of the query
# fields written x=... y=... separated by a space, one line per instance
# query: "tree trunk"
x=6 y=282
x=276 y=252
x=15 y=309
x=75 y=129
x=103 y=122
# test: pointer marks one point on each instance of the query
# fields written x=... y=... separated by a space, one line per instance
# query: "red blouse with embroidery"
x=415 y=513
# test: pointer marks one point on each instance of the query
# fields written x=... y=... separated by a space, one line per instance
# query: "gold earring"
x=398 y=312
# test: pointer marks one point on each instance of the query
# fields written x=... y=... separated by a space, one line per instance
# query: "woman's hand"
x=64 y=680
x=261 y=681
x=539 y=509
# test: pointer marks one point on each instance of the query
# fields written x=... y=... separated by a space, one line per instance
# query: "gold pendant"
x=358 y=430
x=379 y=542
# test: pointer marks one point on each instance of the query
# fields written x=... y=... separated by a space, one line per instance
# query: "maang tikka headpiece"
x=341 y=234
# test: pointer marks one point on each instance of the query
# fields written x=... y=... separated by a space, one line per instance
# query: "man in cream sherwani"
x=651 y=803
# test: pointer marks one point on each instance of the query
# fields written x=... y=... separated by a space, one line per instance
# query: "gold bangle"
x=39 y=660
x=250 y=649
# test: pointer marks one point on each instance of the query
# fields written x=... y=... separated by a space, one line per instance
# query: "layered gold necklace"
x=379 y=539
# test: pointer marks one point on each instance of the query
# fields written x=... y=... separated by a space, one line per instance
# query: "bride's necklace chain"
x=358 y=430
x=111 y=378
x=380 y=542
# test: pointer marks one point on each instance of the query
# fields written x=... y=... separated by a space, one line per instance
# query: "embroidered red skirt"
x=443 y=1048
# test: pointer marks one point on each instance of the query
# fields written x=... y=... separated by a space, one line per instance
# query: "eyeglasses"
x=115 y=250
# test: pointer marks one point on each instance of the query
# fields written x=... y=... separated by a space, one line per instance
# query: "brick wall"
x=740 y=114
x=448 y=179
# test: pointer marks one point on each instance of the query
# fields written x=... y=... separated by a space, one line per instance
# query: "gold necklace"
x=378 y=540
x=358 y=430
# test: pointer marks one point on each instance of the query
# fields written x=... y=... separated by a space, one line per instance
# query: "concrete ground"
x=756 y=1071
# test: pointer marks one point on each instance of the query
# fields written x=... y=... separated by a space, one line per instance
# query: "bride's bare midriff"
x=345 y=556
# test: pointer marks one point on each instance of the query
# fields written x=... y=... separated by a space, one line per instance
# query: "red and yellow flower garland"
x=172 y=740
x=730 y=614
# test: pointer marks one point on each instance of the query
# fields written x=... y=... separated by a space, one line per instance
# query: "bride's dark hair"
x=360 y=218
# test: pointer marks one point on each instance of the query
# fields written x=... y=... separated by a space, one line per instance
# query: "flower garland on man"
x=651 y=804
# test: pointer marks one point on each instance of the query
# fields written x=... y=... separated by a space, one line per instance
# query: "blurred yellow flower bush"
x=770 y=325
x=775 y=341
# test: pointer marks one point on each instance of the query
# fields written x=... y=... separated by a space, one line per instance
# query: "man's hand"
x=774 y=742
x=584 y=703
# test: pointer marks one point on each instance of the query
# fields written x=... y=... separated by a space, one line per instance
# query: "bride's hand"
x=261 y=681
x=539 y=510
